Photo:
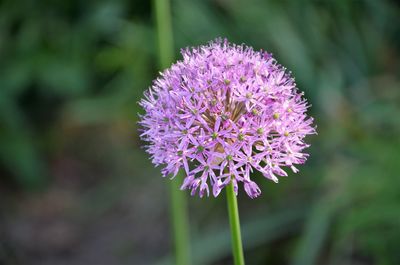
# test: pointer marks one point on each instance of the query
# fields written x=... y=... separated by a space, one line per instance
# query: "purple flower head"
x=220 y=114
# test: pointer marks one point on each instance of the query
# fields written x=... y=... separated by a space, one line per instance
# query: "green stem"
x=236 y=237
x=179 y=219
x=164 y=33
x=179 y=222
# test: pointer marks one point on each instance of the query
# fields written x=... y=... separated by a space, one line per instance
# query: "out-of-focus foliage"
x=72 y=72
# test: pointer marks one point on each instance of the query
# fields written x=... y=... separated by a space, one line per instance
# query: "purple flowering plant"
x=223 y=112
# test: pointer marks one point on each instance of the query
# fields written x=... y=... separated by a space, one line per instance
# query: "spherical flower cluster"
x=223 y=112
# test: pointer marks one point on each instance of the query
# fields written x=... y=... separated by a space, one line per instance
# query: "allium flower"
x=222 y=112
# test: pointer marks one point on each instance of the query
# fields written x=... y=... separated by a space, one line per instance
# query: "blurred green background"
x=76 y=187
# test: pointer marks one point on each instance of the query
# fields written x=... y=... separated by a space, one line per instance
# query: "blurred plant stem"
x=236 y=237
x=164 y=33
x=180 y=223
x=179 y=218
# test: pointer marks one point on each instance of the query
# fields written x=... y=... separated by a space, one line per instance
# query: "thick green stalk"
x=178 y=208
x=164 y=33
x=236 y=237
x=179 y=223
